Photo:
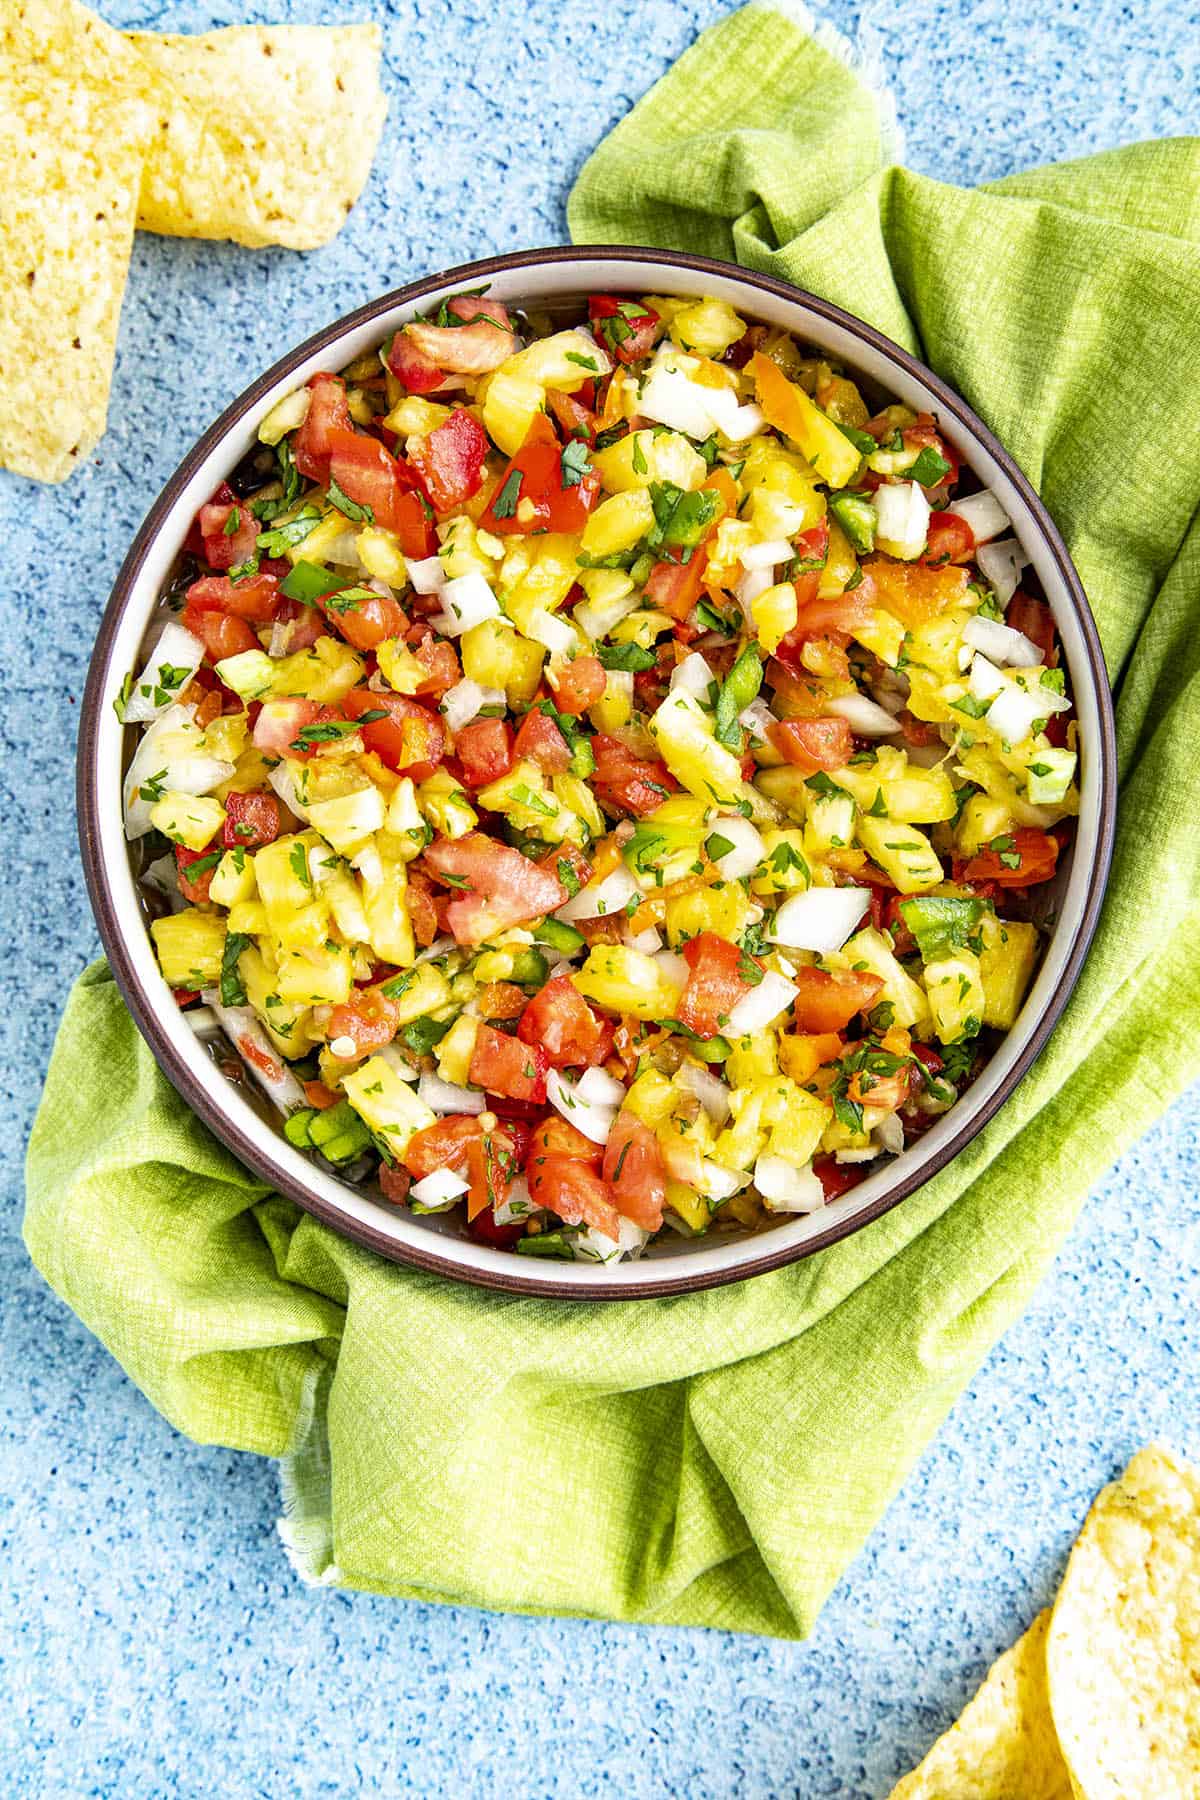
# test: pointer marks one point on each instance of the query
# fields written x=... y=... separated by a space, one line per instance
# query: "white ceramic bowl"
x=434 y=1243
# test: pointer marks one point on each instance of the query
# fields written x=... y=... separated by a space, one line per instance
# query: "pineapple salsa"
x=596 y=772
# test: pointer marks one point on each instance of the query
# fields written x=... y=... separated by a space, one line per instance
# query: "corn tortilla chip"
x=276 y=135
x=72 y=158
x=1123 y=1653
x=1003 y=1747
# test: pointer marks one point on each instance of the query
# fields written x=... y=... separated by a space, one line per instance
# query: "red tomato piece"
x=418 y=372
x=627 y=328
x=578 y=1194
x=1035 y=619
x=394 y=1183
x=439 y=660
x=540 y=740
x=413 y=525
x=676 y=587
x=838 y=1178
x=950 y=540
x=540 y=498
x=422 y=909
x=485 y=750
x=307 y=624
x=411 y=739
x=556 y=1136
x=254 y=599
x=327 y=412
x=573 y=859
x=484 y=1229
x=450 y=460
x=813 y=744
x=625 y=783
x=715 y=983
x=194 y=888
x=827 y=1000
x=573 y=413
x=279 y=724
x=580 y=685
x=633 y=1169
x=461 y=1144
x=370 y=1020
x=1036 y=854
x=251 y=820
x=559 y=1019
x=506 y=1065
x=230 y=534
x=220 y=633
x=495 y=886
x=366 y=623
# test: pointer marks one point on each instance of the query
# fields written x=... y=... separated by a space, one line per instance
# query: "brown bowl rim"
x=257 y=1156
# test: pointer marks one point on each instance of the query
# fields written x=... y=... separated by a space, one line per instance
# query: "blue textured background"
x=152 y=1638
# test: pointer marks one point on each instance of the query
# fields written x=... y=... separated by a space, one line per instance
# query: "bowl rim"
x=528 y=1279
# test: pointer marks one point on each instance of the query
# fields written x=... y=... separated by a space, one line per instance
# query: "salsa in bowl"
x=602 y=770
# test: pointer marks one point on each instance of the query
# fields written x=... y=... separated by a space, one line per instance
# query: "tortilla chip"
x=1123 y=1653
x=72 y=160
x=276 y=135
x=1004 y=1746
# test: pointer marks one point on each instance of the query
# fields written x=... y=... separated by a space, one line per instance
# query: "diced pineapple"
x=525 y=797
x=902 y=852
x=624 y=980
x=340 y=892
x=227 y=736
x=248 y=917
x=882 y=633
x=606 y=588
x=233 y=879
x=447 y=805
x=319 y=977
x=725 y=909
x=618 y=523
x=405 y=828
x=644 y=626
x=723 y=567
x=784 y=868
x=388 y=1105
x=331 y=540
x=577 y=797
x=796 y=1121
x=706 y=326
x=841 y=398
x=536 y=576
x=350 y=819
x=956 y=997
x=830 y=824
x=192 y=820
x=688 y=1205
x=651 y=1098
x=901 y=789
x=614 y=708
x=400 y=668
x=190 y=945
x=511 y=402
x=384 y=890
x=840 y=563
x=641 y=457
x=776 y=514
x=869 y=950
x=753 y=1059
x=684 y=736
x=415 y=417
x=801 y=1054
x=564 y=361
x=495 y=656
x=784 y=787
x=286 y=1023
x=455 y=1050
x=1010 y=954
x=286 y=415
x=249 y=774
x=325 y=672
x=283 y=875
x=774 y=614
x=790 y=410
x=380 y=555
x=982 y=820
x=462 y=549
x=423 y=990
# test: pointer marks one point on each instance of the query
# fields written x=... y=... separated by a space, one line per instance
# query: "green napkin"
x=718 y=1459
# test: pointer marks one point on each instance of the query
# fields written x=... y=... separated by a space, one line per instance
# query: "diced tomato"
x=394 y=1183
x=495 y=886
x=500 y=1000
x=676 y=587
x=1035 y=619
x=411 y=739
x=895 y=922
x=812 y=546
x=251 y=820
x=540 y=740
x=185 y=996
x=949 y=540
x=715 y=983
x=578 y=1194
x=812 y=744
x=556 y=1136
x=230 y=534
x=633 y=1169
x=574 y=859
x=928 y=1057
x=320 y=1096
x=560 y=1020
x=540 y=498
x=507 y=1065
x=924 y=434
x=416 y=371
x=573 y=413
x=194 y=888
x=484 y=1229
x=1036 y=854
x=438 y=658
x=580 y=685
x=327 y=413
x=254 y=599
x=627 y=327
x=828 y=1000
x=450 y=460
x=461 y=1144
x=279 y=724
x=626 y=783
x=888 y=1091
x=414 y=526
x=306 y=624
x=422 y=910
x=366 y=623
x=838 y=1178
x=485 y=750
x=913 y=592
x=368 y=473
x=220 y=633
x=823 y=618
x=370 y=1020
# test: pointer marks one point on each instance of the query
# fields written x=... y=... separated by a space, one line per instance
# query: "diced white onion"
x=986 y=680
x=396 y=1060
x=600 y=899
x=170 y=755
x=902 y=517
x=594 y=1121
x=427 y=575
x=762 y=1005
x=983 y=513
x=820 y=919
x=672 y=967
x=592 y=1245
x=753 y=583
x=466 y=602
x=554 y=634
x=202 y=1022
x=441 y=1188
x=1000 y=564
x=516 y=1204
x=669 y=397
x=439 y=947
x=178 y=655
x=1002 y=643
x=785 y=1188
x=447 y=1097
x=863 y=716
x=717 y=1182
x=647 y=942
x=1013 y=713
x=709 y=1090
x=695 y=675
x=466 y=700
x=889 y=1134
x=746 y=848
x=600 y=1088
x=768 y=555
x=286 y=415
x=250 y=1041
x=757 y=719
x=280 y=778
x=733 y=419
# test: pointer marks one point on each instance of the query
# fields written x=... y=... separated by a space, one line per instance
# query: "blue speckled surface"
x=207 y=1668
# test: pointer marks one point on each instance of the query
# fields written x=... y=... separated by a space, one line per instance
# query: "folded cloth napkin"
x=717 y=1459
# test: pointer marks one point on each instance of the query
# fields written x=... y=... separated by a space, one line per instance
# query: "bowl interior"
x=549 y=277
